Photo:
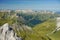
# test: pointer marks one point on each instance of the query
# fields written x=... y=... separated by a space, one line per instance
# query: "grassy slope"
x=30 y=35
x=40 y=30
x=55 y=36
x=45 y=28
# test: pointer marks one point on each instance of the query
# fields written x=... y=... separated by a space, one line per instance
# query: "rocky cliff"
x=7 y=33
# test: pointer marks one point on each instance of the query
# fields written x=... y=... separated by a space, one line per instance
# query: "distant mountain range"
x=58 y=12
x=29 y=11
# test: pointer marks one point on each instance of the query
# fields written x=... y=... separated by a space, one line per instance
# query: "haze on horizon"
x=53 y=5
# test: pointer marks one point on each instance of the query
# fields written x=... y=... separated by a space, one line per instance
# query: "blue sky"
x=30 y=4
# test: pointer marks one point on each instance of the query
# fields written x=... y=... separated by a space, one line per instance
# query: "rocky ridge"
x=7 y=33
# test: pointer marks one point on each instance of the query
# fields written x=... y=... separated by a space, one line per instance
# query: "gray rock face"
x=58 y=24
x=7 y=33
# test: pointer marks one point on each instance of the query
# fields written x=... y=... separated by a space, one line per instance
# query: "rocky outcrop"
x=57 y=25
x=7 y=33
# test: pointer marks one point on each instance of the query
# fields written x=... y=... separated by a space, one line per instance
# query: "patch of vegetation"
x=55 y=36
x=5 y=17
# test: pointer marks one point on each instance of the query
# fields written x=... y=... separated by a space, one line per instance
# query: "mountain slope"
x=45 y=28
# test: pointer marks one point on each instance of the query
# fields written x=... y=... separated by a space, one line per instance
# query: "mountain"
x=5 y=10
x=24 y=11
x=57 y=12
x=51 y=28
x=28 y=26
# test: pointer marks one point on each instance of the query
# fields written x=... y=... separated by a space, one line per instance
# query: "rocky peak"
x=7 y=33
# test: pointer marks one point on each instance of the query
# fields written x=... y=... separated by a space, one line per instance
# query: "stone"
x=7 y=33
